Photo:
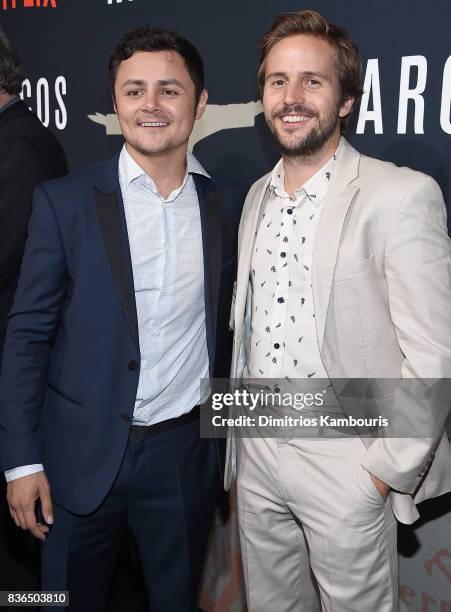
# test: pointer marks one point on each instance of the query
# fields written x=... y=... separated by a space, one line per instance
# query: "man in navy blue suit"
x=112 y=330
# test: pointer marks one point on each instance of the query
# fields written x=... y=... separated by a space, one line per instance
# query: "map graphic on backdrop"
x=216 y=117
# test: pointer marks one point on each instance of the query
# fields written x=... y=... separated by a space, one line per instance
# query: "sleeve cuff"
x=24 y=470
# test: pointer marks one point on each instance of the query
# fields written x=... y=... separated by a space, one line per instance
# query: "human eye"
x=134 y=93
x=312 y=82
x=170 y=93
x=278 y=83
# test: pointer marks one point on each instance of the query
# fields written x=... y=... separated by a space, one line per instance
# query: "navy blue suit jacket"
x=69 y=383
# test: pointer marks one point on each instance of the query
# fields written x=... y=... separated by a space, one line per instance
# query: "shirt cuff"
x=24 y=470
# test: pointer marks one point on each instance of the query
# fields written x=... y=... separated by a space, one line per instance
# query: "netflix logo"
x=13 y=4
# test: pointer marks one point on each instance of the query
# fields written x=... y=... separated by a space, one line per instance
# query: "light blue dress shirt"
x=165 y=239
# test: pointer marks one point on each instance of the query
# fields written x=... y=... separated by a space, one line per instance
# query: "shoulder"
x=79 y=181
x=25 y=136
x=399 y=193
x=399 y=181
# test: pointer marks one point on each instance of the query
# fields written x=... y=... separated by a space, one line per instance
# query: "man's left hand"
x=382 y=487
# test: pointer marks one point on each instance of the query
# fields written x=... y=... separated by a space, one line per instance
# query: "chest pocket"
x=352 y=271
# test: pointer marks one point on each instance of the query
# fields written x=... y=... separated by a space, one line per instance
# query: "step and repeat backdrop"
x=404 y=117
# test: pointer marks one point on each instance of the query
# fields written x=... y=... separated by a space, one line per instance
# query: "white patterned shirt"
x=284 y=343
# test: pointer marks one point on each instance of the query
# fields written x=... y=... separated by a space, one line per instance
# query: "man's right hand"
x=22 y=494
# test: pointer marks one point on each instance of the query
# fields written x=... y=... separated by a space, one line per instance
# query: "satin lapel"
x=335 y=207
x=111 y=215
x=246 y=248
x=210 y=215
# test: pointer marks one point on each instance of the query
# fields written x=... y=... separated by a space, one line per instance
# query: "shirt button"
x=125 y=417
x=290 y=211
x=283 y=254
x=280 y=300
x=276 y=345
x=133 y=365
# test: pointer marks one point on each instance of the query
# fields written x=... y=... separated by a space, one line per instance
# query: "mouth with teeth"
x=153 y=124
x=295 y=119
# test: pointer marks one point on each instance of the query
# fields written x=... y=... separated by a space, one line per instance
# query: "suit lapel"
x=210 y=215
x=246 y=248
x=334 y=210
x=110 y=211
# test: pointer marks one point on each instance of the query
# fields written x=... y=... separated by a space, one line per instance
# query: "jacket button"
x=133 y=365
x=125 y=417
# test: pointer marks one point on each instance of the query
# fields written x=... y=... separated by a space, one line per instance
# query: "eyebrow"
x=165 y=82
x=160 y=82
x=132 y=82
x=304 y=73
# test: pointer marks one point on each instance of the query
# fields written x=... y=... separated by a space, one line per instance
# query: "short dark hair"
x=11 y=73
x=154 y=39
x=348 y=64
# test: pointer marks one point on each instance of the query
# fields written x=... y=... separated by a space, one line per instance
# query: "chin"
x=153 y=149
x=291 y=145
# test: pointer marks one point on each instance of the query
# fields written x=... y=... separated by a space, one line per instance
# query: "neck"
x=5 y=98
x=298 y=170
x=166 y=170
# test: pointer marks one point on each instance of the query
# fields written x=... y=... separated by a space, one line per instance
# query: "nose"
x=151 y=102
x=294 y=94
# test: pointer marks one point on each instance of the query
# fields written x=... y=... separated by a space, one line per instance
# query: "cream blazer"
x=381 y=275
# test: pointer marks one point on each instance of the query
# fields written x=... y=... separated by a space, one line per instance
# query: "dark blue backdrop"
x=65 y=45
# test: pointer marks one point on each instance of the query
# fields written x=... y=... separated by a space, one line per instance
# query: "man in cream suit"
x=343 y=277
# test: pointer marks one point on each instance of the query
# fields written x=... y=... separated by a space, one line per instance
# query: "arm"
x=21 y=169
x=32 y=326
x=418 y=271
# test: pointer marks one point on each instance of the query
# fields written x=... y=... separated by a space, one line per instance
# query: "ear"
x=346 y=107
x=201 y=104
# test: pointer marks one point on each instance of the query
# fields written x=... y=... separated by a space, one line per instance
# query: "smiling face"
x=302 y=97
x=155 y=103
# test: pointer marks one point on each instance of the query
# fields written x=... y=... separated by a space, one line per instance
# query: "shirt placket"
x=281 y=294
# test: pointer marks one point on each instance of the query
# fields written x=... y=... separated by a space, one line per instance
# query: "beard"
x=312 y=143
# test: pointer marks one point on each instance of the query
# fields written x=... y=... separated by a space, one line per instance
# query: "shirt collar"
x=315 y=188
x=130 y=170
x=10 y=103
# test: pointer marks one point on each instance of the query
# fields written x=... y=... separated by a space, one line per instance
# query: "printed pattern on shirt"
x=284 y=343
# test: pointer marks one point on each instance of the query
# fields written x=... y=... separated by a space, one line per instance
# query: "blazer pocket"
x=59 y=395
x=347 y=272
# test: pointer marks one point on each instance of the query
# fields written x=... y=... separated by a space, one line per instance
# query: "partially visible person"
x=29 y=154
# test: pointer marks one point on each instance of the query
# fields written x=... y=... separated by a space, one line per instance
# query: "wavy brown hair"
x=348 y=64
x=154 y=39
x=11 y=73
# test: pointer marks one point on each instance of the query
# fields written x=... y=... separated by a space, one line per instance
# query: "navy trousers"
x=166 y=491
